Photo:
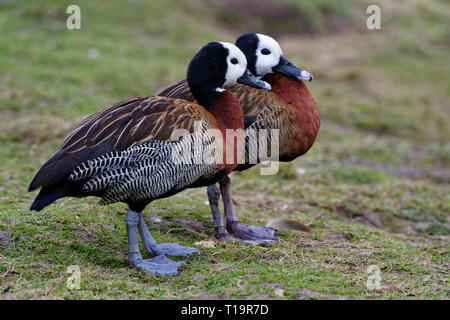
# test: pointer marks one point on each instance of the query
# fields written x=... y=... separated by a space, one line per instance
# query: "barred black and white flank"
x=143 y=172
x=118 y=167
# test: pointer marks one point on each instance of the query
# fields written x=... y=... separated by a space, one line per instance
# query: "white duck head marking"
x=236 y=63
x=268 y=54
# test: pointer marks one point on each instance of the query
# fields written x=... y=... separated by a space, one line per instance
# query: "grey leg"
x=253 y=234
x=214 y=197
x=159 y=265
x=170 y=249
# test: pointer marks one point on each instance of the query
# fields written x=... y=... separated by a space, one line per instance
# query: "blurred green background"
x=374 y=188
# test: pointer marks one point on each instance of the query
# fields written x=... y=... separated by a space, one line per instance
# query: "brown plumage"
x=137 y=119
x=119 y=127
x=288 y=107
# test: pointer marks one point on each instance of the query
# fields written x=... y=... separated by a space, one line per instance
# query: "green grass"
x=374 y=188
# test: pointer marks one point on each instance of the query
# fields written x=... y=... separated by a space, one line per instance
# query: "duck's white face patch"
x=236 y=63
x=268 y=54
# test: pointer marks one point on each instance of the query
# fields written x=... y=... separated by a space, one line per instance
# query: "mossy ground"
x=374 y=188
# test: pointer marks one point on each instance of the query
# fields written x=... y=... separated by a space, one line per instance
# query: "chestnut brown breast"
x=229 y=116
x=300 y=120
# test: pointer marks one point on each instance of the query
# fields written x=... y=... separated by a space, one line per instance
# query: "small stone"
x=205 y=244
x=156 y=219
x=279 y=292
x=414 y=244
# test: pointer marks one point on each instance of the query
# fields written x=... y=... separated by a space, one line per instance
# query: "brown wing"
x=178 y=90
x=120 y=126
x=251 y=100
x=135 y=120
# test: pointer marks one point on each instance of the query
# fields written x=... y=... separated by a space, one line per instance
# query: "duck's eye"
x=265 y=51
x=234 y=61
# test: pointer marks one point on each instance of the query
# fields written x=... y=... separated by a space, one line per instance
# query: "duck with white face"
x=124 y=153
x=264 y=55
x=296 y=114
x=288 y=107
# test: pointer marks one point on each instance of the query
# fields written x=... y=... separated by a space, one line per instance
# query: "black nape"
x=206 y=72
x=248 y=43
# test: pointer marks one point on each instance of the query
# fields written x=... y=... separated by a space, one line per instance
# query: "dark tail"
x=48 y=195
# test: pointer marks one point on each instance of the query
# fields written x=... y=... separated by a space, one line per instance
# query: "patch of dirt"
x=369 y=218
x=278 y=290
x=156 y=220
x=268 y=204
x=8 y=93
x=274 y=18
x=192 y=225
x=336 y=237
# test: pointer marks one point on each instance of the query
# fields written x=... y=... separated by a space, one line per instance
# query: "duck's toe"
x=160 y=265
x=253 y=234
x=175 y=250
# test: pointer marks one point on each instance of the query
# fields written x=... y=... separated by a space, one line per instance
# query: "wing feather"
x=119 y=127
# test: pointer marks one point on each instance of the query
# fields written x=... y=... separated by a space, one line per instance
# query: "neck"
x=292 y=91
x=230 y=119
x=228 y=111
x=207 y=97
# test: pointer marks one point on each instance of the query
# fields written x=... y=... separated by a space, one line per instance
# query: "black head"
x=215 y=65
x=248 y=43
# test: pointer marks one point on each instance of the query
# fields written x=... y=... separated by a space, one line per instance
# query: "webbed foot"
x=253 y=234
x=160 y=265
x=170 y=249
x=174 y=250
x=225 y=237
